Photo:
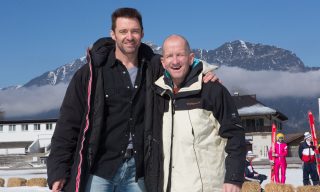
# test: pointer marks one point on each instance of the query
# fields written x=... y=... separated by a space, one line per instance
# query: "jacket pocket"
x=203 y=124
x=111 y=94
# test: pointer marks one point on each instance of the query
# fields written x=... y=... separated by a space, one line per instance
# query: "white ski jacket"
x=198 y=123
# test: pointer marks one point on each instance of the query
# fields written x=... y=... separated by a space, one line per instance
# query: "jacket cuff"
x=234 y=178
x=234 y=183
x=57 y=175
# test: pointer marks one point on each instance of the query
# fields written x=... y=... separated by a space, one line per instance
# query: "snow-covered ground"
x=294 y=177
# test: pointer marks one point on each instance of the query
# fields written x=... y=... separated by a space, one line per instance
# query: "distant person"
x=279 y=151
x=307 y=155
x=196 y=141
x=250 y=174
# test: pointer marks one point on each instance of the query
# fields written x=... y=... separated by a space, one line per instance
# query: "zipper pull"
x=173 y=106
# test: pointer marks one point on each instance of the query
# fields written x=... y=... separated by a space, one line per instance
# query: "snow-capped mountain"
x=250 y=56
x=238 y=53
x=62 y=74
x=14 y=87
x=253 y=57
x=156 y=49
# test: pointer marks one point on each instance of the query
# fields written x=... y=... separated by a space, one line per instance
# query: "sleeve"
x=285 y=150
x=248 y=172
x=300 y=151
x=312 y=145
x=230 y=128
x=208 y=67
x=65 y=136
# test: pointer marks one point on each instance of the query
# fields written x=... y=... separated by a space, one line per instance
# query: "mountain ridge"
x=246 y=55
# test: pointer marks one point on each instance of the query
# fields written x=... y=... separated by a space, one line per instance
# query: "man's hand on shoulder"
x=58 y=185
x=210 y=76
x=228 y=187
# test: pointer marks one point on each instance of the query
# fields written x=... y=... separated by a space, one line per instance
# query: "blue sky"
x=37 y=36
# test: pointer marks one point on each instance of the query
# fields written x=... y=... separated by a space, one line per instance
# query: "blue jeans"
x=123 y=180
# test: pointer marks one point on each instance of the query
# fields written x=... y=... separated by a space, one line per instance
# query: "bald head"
x=175 y=38
x=176 y=58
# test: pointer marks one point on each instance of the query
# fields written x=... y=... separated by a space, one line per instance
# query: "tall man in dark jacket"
x=98 y=140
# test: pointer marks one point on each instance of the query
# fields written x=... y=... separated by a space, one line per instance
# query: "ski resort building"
x=257 y=120
x=26 y=136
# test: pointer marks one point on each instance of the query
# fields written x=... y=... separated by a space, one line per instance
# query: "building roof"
x=6 y=122
x=248 y=105
x=256 y=109
x=289 y=138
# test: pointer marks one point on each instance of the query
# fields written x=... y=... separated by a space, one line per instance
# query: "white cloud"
x=265 y=84
x=270 y=84
x=31 y=101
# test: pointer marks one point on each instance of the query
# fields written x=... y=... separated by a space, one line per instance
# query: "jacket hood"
x=101 y=49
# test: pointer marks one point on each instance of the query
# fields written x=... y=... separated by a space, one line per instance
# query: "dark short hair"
x=128 y=13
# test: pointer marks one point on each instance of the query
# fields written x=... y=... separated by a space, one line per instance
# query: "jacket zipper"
x=171 y=147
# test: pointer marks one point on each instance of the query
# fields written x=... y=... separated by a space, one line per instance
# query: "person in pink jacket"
x=279 y=154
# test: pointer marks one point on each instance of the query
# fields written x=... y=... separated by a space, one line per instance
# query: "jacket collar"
x=113 y=61
x=192 y=83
